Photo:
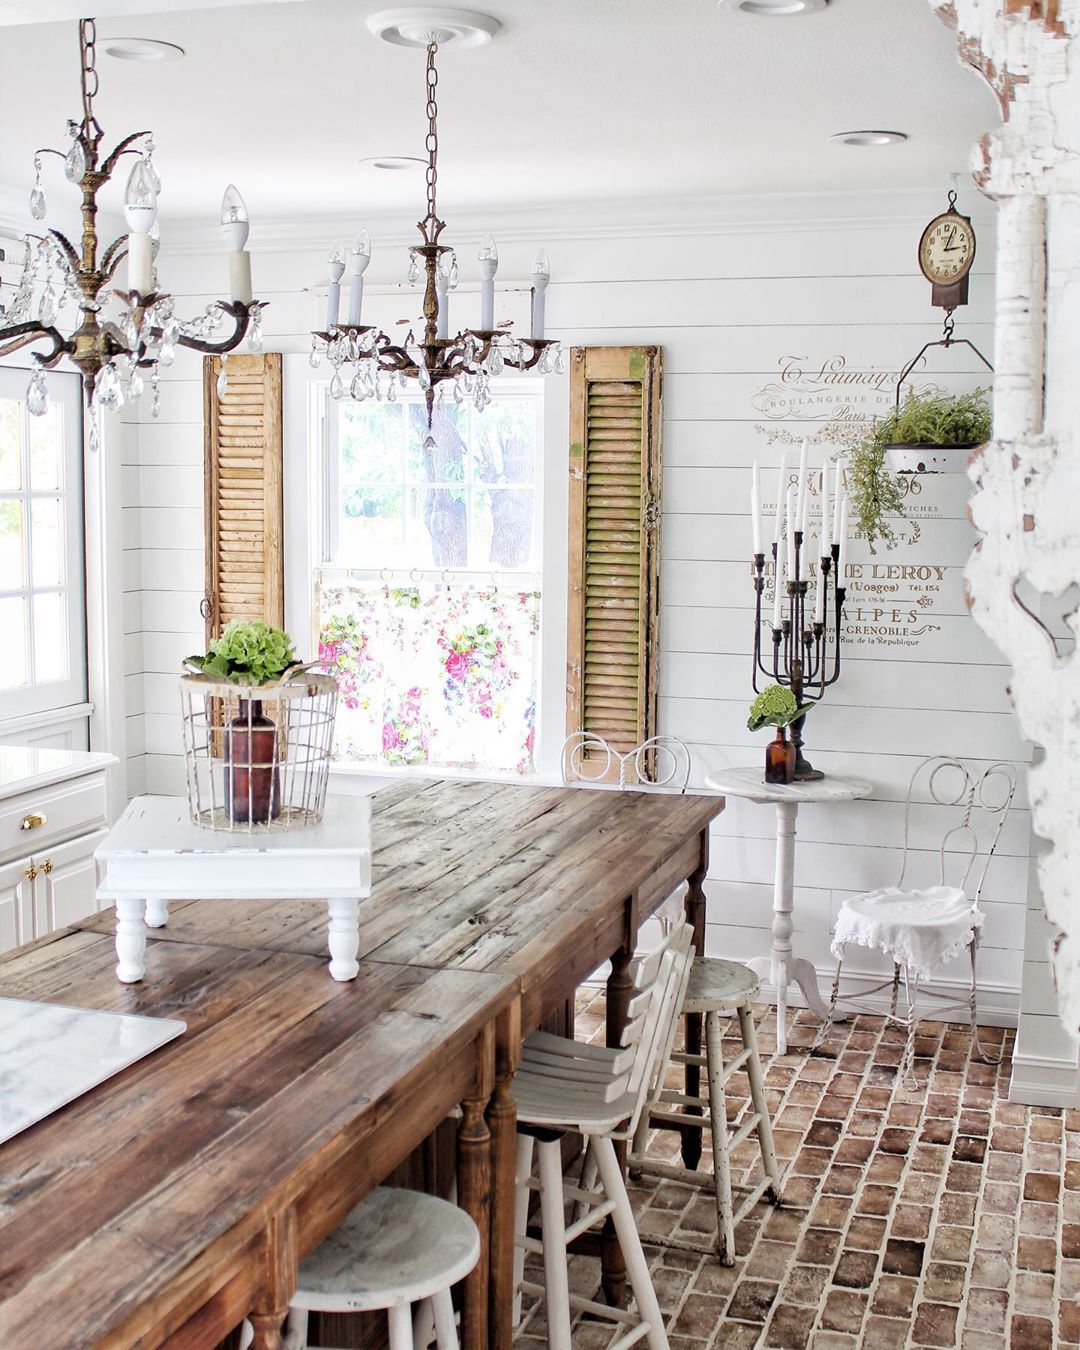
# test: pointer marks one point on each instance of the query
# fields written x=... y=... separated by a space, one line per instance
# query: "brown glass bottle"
x=252 y=786
x=780 y=758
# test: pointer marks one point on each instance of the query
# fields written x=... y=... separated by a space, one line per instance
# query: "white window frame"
x=38 y=704
x=307 y=495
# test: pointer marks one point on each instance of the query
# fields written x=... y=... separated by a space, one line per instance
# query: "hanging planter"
x=932 y=432
x=929 y=458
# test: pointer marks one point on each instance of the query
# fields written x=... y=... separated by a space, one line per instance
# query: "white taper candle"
x=778 y=528
x=789 y=526
x=838 y=476
x=825 y=518
x=819 y=593
x=843 y=542
x=801 y=510
x=755 y=507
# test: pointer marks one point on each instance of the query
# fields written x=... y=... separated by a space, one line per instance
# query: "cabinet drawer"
x=69 y=809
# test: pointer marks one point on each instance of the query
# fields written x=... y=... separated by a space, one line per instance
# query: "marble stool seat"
x=396 y=1249
x=715 y=989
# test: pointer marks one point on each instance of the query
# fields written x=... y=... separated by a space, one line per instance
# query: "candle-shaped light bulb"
x=140 y=199
x=335 y=266
x=442 y=290
x=234 y=219
x=140 y=211
x=755 y=507
x=541 y=275
x=359 y=257
x=235 y=226
x=778 y=527
x=488 y=258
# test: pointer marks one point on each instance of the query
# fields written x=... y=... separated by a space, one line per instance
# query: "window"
x=42 y=595
x=427 y=596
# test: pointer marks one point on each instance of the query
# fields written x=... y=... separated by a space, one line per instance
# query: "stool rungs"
x=750 y=1199
x=671 y=1172
x=589 y=1220
x=731 y=1066
x=750 y=1123
x=623 y=1316
x=676 y=1120
x=673 y=1097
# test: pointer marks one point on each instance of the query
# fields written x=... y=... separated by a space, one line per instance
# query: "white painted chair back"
x=981 y=801
x=661 y=761
x=661 y=978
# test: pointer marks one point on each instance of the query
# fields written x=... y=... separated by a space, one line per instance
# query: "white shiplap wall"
x=727 y=300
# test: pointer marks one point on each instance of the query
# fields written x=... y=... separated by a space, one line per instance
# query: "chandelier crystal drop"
x=463 y=364
x=115 y=334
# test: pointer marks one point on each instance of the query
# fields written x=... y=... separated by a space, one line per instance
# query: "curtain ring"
x=494 y=584
x=386 y=575
x=447 y=575
x=416 y=576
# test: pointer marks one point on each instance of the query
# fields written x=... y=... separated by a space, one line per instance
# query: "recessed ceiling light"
x=777 y=9
x=416 y=27
x=142 y=49
x=869 y=137
x=393 y=163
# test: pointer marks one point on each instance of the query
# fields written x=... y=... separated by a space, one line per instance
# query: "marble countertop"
x=23 y=768
x=51 y=1054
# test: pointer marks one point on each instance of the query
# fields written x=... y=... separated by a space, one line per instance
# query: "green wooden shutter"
x=614 y=527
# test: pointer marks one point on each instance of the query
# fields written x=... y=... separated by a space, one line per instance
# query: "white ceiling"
x=575 y=101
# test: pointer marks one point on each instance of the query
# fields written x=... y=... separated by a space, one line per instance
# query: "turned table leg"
x=474 y=1191
x=157 y=912
x=695 y=914
x=280 y=1262
x=344 y=938
x=130 y=941
x=620 y=987
x=502 y=1123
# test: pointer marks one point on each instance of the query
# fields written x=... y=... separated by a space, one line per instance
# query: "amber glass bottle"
x=252 y=786
x=780 y=758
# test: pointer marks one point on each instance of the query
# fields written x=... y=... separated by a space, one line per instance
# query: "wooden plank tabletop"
x=525 y=881
x=123 y=1213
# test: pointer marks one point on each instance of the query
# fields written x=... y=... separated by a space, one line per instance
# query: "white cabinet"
x=52 y=817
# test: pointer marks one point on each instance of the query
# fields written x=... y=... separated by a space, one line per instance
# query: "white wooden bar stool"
x=566 y=1086
x=716 y=989
x=396 y=1249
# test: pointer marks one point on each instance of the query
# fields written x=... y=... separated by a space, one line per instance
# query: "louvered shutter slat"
x=614 y=561
x=244 y=578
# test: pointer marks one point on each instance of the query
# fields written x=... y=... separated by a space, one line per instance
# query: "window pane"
x=46 y=448
x=50 y=638
x=46 y=542
x=12 y=643
x=12 y=557
x=371 y=446
x=438 y=527
x=445 y=463
x=10 y=445
x=370 y=526
x=504 y=442
x=502 y=527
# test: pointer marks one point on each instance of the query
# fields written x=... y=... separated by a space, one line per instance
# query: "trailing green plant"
x=248 y=653
x=927 y=418
x=775 y=707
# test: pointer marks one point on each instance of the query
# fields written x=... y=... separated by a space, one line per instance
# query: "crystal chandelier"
x=368 y=364
x=115 y=336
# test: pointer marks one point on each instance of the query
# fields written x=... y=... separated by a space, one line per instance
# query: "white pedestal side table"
x=783 y=967
x=155 y=854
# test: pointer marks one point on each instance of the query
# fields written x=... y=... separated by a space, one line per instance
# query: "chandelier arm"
x=240 y=313
x=69 y=250
x=19 y=335
x=48 y=150
x=122 y=149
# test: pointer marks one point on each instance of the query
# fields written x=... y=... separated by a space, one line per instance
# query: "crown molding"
x=627 y=219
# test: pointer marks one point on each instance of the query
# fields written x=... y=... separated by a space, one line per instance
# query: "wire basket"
x=257 y=756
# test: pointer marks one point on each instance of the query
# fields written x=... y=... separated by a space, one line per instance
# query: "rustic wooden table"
x=542 y=885
x=169 y=1201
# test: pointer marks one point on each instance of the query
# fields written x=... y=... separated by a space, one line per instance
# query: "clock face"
x=947 y=249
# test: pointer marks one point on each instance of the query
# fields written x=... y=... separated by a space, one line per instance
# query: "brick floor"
x=941 y=1217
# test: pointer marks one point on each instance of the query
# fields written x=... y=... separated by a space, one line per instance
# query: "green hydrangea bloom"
x=775 y=707
x=248 y=653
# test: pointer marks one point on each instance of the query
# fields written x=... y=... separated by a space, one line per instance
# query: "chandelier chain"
x=88 y=74
x=431 y=143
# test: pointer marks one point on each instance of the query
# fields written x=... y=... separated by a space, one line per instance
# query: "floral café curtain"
x=438 y=675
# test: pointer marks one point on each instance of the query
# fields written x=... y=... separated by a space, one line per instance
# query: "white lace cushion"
x=919 y=929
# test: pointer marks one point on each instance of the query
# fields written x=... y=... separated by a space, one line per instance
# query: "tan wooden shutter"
x=244 y=574
x=615 y=418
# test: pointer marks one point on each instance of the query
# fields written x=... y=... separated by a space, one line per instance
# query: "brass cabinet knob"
x=33 y=821
x=30 y=873
x=46 y=866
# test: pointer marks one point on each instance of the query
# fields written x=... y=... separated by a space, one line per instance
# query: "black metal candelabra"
x=800 y=649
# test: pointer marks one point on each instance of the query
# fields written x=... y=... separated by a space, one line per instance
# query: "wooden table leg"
x=280 y=1263
x=620 y=986
x=474 y=1189
x=502 y=1122
x=695 y=913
